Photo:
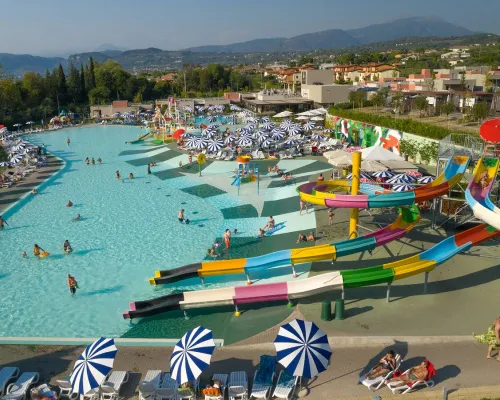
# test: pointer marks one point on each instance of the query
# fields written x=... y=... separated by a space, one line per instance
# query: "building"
x=118 y=106
x=167 y=78
x=275 y=101
x=364 y=72
x=327 y=95
x=316 y=77
x=182 y=103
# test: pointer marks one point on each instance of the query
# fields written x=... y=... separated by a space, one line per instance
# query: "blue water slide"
x=275 y=259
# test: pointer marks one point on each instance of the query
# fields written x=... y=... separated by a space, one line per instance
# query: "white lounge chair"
x=238 y=385
x=222 y=156
x=18 y=389
x=264 y=377
x=229 y=157
x=150 y=384
x=168 y=388
x=286 y=385
x=223 y=386
x=407 y=388
x=110 y=388
x=6 y=375
x=66 y=389
x=376 y=383
x=260 y=155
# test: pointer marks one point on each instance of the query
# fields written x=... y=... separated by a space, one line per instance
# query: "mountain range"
x=249 y=52
x=336 y=38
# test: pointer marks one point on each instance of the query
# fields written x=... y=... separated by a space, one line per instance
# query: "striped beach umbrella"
x=267 y=125
x=383 y=174
x=318 y=137
x=208 y=133
x=403 y=177
x=291 y=141
x=362 y=175
x=211 y=119
x=267 y=142
x=426 y=179
x=294 y=129
x=244 y=141
x=329 y=130
x=302 y=348
x=5 y=164
x=229 y=139
x=16 y=158
x=308 y=126
x=200 y=143
x=286 y=124
x=402 y=188
x=192 y=355
x=397 y=181
x=215 y=145
x=191 y=142
x=277 y=134
x=93 y=366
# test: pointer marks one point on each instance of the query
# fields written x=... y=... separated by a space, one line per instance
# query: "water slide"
x=406 y=220
x=147 y=135
x=478 y=198
x=337 y=280
x=320 y=192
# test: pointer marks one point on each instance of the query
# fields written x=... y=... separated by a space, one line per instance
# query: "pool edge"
x=51 y=341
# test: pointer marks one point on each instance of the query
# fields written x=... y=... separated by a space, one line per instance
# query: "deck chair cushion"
x=266 y=370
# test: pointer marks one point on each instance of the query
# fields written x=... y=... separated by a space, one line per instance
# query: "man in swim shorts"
x=180 y=215
x=73 y=285
x=227 y=238
x=67 y=247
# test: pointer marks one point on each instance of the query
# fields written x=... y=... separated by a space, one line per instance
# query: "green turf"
x=279 y=183
x=138 y=151
x=244 y=211
x=203 y=191
x=311 y=168
x=167 y=155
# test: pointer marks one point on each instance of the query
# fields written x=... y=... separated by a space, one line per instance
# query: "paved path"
x=459 y=365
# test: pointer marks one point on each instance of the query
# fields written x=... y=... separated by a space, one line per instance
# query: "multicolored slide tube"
x=320 y=192
x=406 y=220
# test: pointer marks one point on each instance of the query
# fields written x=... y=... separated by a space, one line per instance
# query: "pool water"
x=129 y=228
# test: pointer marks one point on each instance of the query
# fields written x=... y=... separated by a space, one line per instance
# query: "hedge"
x=402 y=124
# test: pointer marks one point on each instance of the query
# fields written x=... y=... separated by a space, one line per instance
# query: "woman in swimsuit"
x=384 y=366
x=37 y=250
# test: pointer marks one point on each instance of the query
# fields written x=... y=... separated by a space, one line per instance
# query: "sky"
x=57 y=27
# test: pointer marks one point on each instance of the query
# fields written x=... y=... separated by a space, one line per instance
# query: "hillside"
x=18 y=64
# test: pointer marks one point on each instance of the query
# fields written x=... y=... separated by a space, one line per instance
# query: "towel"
x=431 y=371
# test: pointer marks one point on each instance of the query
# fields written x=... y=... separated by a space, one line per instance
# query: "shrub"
x=401 y=124
x=409 y=147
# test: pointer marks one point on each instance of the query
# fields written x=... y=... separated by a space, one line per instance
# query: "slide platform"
x=141 y=138
x=320 y=193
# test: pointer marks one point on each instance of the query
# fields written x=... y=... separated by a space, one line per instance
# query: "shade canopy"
x=490 y=130
x=378 y=153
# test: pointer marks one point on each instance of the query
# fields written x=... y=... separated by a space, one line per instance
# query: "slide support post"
x=249 y=281
x=343 y=294
x=426 y=279
x=388 y=294
x=237 y=312
x=202 y=280
x=294 y=272
x=354 y=218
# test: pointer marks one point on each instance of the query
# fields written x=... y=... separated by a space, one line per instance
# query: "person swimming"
x=37 y=250
x=87 y=161
x=99 y=160
x=93 y=161
x=212 y=253
x=131 y=176
x=77 y=218
x=67 y=247
x=34 y=191
x=25 y=255
x=3 y=223
x=118 y=176
x=70 y=204
x=68 y=141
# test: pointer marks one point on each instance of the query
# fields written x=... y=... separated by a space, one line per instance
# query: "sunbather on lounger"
x=384 y=366
x=413 y=375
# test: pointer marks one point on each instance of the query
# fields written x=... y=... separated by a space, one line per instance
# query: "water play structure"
x=246 y=172
x=340 y=280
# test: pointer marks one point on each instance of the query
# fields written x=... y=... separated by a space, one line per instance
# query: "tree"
x=99 y=95
x=378 y=99
x=74 y=82
x=409 y=147
x=397 y=101
x=448 y=108
x=62 y=87
x=83 y=89
x=421 y=104
x=480 y=111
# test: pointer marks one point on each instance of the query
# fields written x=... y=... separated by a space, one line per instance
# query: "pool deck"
x=9 y=196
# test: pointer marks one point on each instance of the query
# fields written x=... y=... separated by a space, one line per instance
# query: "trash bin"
x=326 y=310
x=339 y=309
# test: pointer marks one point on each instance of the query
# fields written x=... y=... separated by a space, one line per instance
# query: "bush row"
x=401 y=124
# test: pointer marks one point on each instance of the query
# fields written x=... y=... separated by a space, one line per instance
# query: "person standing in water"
x=93 y=161
x=118 y=176
x=73 y=285
x=149 y=169
x=3 y=222
x=68 y=141
x=99 y=160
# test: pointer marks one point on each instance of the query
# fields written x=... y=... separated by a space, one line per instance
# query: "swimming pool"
x=128 y=229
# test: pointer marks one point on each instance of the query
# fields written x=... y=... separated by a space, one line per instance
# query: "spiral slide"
x=478 y=198
x=452 y=174
x=406 y=220
x=317 y=193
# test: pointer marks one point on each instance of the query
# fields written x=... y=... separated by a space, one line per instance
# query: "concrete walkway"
x=460 y=365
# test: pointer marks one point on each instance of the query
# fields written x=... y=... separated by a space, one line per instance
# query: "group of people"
x=226 y=238
x=119 y=177
x=269 y=227
x=88 y=161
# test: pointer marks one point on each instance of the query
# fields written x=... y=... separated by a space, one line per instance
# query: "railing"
x=461 y=144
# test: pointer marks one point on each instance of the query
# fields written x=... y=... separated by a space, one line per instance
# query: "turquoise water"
x=128 y=230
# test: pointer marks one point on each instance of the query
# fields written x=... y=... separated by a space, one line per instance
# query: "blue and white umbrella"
x=17 y=158
x=402 y=177
x=215 y=145
x=208 y=133
x=191 y=142
x=329 y=130
x=264 y=119
x=211 y=119
x=362 y=175
x=192 y=355
x=293 y=129
x=277 y=134
x=426 y=179
x=200 y=143
x=5 y=164
x=266 y=142
x=383 y=174
x=402 y=188
x=397 y=181
x=267 y=125
x=213 y=126
x=229 y=139
x=318 y=137
x=93 y=366
x=308 y=126
x=286 y=124
x=302 y=348
x=244 y=141
x=18 y=146
x=262 y=138
x=291 y=141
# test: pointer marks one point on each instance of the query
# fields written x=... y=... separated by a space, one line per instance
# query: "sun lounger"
x=229 y=157
x=110 y=389
x=223 y=386
x=6 y=375
x=238 y=385
x=286 y=385
x=428 y=383
x=376 y=383
x=168 y=388
x=18 y=390
x=66 y=389
x=264 y=377
x=149 y=385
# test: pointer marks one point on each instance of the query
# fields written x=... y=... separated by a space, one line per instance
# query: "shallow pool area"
x=129 y=228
